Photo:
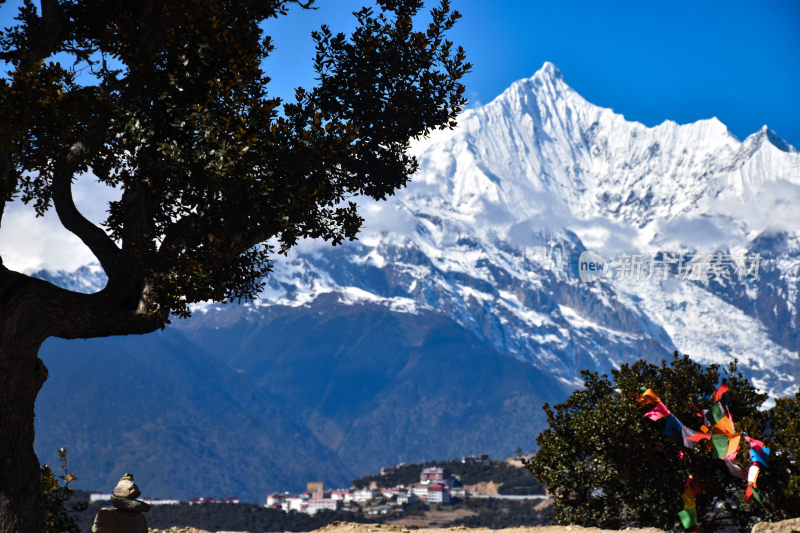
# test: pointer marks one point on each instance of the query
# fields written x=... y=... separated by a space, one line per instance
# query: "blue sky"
x=678 y=60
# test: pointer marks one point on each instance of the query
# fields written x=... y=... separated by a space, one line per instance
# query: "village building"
x=407 y=498
x=319 y=504
x=438 y=493
x=365 y=495
x=434 y=474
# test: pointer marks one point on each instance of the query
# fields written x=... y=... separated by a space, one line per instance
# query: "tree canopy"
x=168 y=102
x=607 y=465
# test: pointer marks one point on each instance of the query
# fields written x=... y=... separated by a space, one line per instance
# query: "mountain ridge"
x=461 y=308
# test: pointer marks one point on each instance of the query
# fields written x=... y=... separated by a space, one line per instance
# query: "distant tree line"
x=230 y=517
x=512 y=480
x=490 y=513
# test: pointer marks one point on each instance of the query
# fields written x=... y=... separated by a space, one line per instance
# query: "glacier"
x=459 y=311
x=490 y=228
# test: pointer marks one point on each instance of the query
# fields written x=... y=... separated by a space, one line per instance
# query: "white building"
x=365 y=495
x=458 y=491
x=438 y=493
x=294 y=503
x=319 y=504
x=275 y=499
x=162 y=501
x=434 y=474
x=391 y=492
x=420 y=490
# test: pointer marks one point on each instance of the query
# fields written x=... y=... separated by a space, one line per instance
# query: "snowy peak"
x=549 y=70
x=490 y=229
x=489 y=232
x=541 y=150
x=766 y=135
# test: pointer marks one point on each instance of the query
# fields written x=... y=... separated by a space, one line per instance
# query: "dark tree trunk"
x=22 y=374
x=31 y=310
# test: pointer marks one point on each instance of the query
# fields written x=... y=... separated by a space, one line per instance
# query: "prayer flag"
x=647 y=397
x=689 y=437
x=734 y=469
x=658 y=412
x=720 y=391
x=688 y=499
x=755 y=443
x=717 y=413
x=724 y=426
x=688 y=518
x=759 y=456
x=720 y=443
x=752 y=474
x=673 y=426
x=752 y=492
x=733 y=445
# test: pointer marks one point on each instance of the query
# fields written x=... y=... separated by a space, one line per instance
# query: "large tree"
x=167 y=101
x=607 y=465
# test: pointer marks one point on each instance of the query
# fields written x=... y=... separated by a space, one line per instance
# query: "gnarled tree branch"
x=92 y=236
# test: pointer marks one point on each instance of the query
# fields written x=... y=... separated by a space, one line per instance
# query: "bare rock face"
x=785 y=526
x=127 y=514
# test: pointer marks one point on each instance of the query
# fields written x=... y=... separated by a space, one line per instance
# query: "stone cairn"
x=127 y=515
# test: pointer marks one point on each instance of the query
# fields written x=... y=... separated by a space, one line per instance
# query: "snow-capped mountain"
x=542 y=236
x=490 y=230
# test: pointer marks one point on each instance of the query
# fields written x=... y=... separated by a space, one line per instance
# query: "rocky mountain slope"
x=464 y=305
x=490 y=232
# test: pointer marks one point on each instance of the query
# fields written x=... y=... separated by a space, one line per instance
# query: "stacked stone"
x=127 y=514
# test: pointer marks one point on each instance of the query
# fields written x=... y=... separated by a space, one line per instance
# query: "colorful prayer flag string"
x=720 y=430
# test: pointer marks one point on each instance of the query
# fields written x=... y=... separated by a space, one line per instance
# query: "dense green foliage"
x=784 y=432
x=513 y=480
x=607 y=465
x=168 y=101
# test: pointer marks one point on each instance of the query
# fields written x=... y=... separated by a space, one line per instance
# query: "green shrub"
x=57 y=498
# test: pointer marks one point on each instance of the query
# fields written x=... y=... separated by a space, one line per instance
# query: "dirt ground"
x=787 y=526
x=349 y=527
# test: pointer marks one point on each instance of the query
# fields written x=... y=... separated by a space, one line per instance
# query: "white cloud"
x=29 y=243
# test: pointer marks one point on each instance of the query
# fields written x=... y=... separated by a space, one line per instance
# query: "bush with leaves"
x=57 y=504
x=607 y=465
x=783 y=431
